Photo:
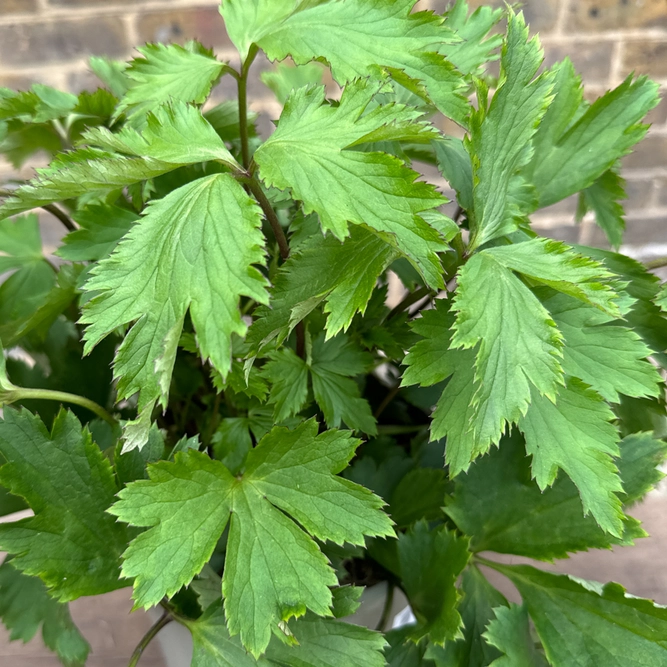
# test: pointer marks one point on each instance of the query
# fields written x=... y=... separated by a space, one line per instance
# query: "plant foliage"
x=256 y=426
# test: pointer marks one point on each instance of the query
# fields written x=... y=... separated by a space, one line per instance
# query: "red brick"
x=648 y=154
x=591 y=59
x=180 y=25
x=600 y=15
x=17 y=6
x=646 y=57
x=24 y=44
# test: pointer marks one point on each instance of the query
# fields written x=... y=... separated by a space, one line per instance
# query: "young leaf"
x=574 y=434
x=404 y=43
x=288 y=375
x=317 y=643
x=112 y=73
x=518 y=345
x=585 y=622
x=609 y=357
x=603 y=199
x=285 y=78
x=334 y=362
x=25 y=606
x=288 y=473
x=510 y=632
x=431 y=361
x=176 y=133
x=573 y=149
x=430 y=562
x=101 y=226
x=167 y=72
x=193 y=250
x=477 y=608
x=500 y=138
x=343 y=275
x=71 y=542
x=307 y=153
x=558 y=266
x=503 y=510
x=476 y=47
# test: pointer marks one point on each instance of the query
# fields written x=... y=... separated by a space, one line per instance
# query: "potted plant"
x=210 y=398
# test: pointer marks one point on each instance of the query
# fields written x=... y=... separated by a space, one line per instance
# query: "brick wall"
x=49 y=41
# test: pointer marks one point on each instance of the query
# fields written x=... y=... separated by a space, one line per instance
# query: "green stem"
x=243 y=105
x=26 y=393
x=386 y=610
x=148 y=638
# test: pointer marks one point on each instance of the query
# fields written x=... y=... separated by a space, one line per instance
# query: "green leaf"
x=339 y=398
x=20 y=243
x=342 y=275
x=317 y=643
x=477 y=609
x=573 y=149
x=193 y=250
x=603 y=199
x=25 y=607
x=81 y=172
x=500 y=138
x=175 y=133
x=503 y=510
x=101 y=226
x=510 y=632
x=574 y=434
x=333 y=363
x=476 y=47
x=430 y=563
x=518 y=345
x=26 y=290
x=555 y=264
x=288 y=374
x=307 y=153
x=288 y=473
x=404 y=43
x=49 y=307
x=431 y=361
x=111 y=73
x=131 y=465
x=587 y=623
x=71 y=543
x=609 y=357
x=455 y=165
x=285 y=78
x=167 y=72
x=419 y=495
x=232 y=442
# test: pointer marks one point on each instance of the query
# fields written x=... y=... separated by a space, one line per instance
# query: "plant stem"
x=50 y=208
x=271 y=216
x=656 y=263
x=391 y=395
x=410 y=299
x=148 y=638
x=23 y=393
x=386 y=610
x=243 y=105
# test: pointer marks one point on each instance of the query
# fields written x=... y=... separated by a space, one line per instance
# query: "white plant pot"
x=175 y=640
